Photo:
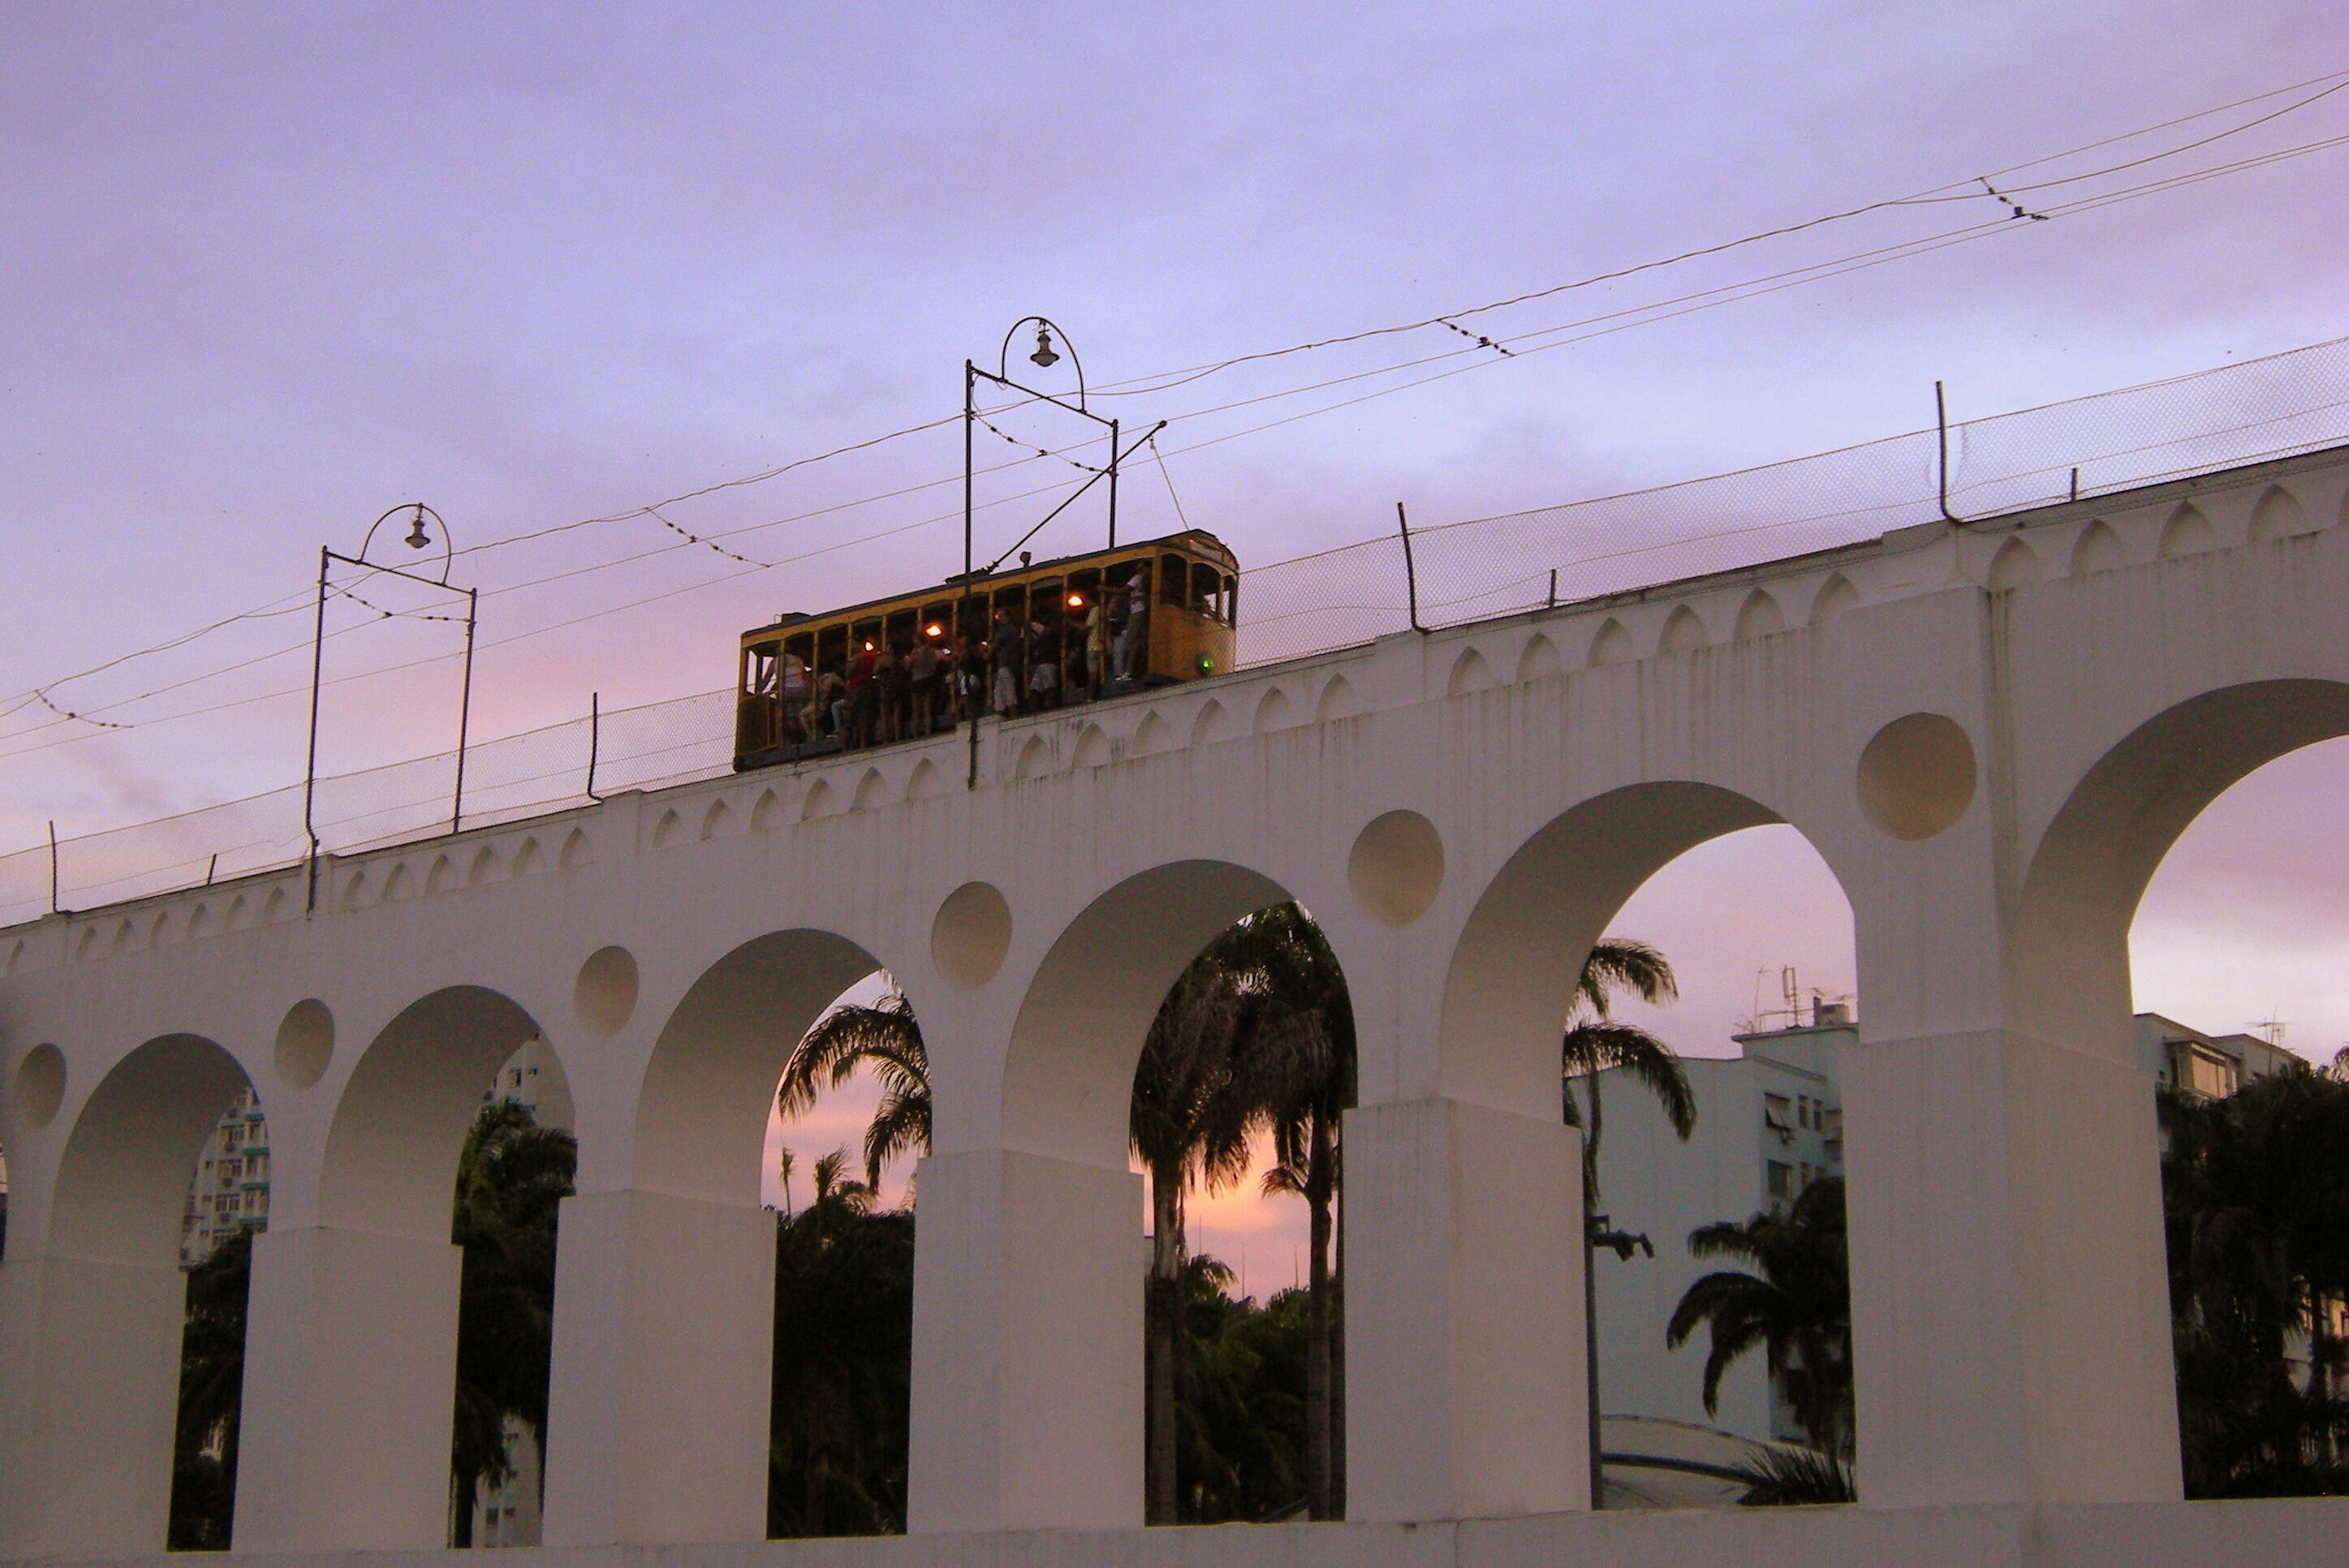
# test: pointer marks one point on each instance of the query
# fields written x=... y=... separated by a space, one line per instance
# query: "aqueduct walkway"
x=1992 y=733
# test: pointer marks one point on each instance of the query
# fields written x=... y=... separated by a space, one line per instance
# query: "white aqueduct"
x=1990 y=733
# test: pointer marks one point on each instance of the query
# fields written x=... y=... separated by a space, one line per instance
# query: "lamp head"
x=417 y=538
x=1044 y=357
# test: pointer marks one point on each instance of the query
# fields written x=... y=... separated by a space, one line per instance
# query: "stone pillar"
x=664 y=1343
x=1028 y=1325
x=349 y=1389
x=1465 y=1377
x=2010 y=1295
x=97 y=1376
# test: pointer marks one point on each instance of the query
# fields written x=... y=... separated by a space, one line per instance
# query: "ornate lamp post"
x=419 y=537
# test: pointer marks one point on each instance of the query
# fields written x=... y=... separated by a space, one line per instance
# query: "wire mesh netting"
x=2275 y=407
x=1470 y=571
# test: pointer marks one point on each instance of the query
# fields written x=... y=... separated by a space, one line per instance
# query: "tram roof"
x=1197 y=539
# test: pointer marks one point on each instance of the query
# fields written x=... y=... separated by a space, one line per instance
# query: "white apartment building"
x=231 y=1189
x=2210 y=1066
x=1769 y=1123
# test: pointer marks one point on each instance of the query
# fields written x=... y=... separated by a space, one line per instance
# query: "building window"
x=1782 y=1179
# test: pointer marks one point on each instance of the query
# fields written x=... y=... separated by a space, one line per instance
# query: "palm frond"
x=1622 y=963
x=1604 y=1045
x=1782 y=1476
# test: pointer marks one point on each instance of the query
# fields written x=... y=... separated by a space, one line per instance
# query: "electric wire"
x=1161 y=383
x=1702 y=300
x=282 y=606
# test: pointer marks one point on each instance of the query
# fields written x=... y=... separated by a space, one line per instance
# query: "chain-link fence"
x=540 y=771
x=2269 y=407
x=2284 y=404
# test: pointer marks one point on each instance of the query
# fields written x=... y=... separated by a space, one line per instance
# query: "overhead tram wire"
x=1958 y=190
x=1286 y=561
x=1799 y=275
x=1647 y=313
x=1951 y=191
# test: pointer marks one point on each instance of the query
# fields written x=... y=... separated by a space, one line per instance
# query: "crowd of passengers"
x=898 y=690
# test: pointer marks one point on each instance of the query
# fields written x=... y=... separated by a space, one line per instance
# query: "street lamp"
x=419 y=537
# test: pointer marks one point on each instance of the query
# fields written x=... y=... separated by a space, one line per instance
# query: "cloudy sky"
x=274 y=268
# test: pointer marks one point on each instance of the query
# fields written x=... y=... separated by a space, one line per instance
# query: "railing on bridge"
x=2274 y=406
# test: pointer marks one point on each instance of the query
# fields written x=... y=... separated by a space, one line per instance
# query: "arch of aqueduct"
x=1990 y=733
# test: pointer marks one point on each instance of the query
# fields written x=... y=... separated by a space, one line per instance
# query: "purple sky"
x=271 y=269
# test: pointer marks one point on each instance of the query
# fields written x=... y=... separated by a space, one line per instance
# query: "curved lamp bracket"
x=1045 y=356
x=419 y=537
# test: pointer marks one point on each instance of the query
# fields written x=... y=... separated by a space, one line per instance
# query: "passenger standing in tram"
x=1043 y=666
x=794 y=698
x=828 y=712
x=922 y=685
x=1005 y=651
x=889 y=685
x=1133 y=637
x=861 y=695
x=970 y=680
x=1096 y=646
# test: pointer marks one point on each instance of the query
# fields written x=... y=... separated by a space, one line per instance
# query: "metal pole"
x=209 y=867
x=1409 y=570
x=1553 y=587
x=1941 y=429
x=53 y=866
x=594 y=738
x=1596 y=1423
x=465 y=708
x=962 y=607
x=1113 y=484
x=310 y=766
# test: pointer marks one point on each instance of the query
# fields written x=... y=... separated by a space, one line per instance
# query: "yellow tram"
x=1083 y=627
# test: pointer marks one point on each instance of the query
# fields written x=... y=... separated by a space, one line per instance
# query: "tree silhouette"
x=1796 y=1309
x=512 y=1176
x=885 y=1037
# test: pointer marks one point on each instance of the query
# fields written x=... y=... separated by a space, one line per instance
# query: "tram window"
x=759 y=673
x=937 y=620
x=868 y=634
x=1084 y=589
x=1172 y=580
x=832 y=650
x=902 y=626
x=1231 y=600
x=1206 y=590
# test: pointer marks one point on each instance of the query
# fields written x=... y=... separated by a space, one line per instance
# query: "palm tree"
x=1594 y=1042
x=212 y=1380
x=842 y=1339
x=1297 y=1059
x=511 y=1177
x=1189 y=1123
x=1797 y=1309
x=885 y=1038
x=2256 y=1191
